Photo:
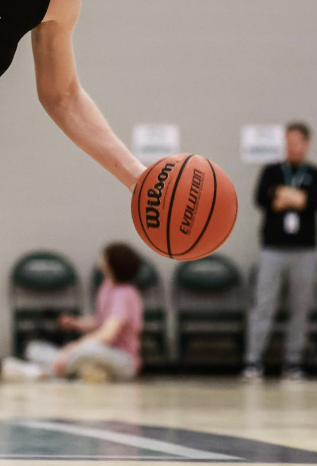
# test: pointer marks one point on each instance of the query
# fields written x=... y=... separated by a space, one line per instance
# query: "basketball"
x=184 y=207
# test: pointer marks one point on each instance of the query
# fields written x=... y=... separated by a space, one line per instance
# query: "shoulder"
x=270 y=169
x=127 y=290
x=127 y=293
x=63 y=11
x=273 y=167
x=312 y=168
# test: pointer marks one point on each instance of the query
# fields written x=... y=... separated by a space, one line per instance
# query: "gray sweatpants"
x=300 y=269
x=118 y=363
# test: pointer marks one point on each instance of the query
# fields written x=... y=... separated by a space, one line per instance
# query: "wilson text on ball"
x=154 y=197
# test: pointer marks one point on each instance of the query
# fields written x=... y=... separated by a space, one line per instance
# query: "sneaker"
x=15 y=370
x=253 y=371
x=294 y=372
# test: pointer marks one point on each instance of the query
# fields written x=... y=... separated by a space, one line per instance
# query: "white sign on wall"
x=151 y=142
x=262 y=143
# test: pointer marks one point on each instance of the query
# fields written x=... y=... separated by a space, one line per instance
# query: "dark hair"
x=302 y=128
x=123 y=261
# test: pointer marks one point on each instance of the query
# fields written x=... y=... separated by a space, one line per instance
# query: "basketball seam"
x=168 y=239
x=222 y=241
x=209 y=216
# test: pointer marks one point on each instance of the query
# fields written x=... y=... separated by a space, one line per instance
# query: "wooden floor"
x=159 y=421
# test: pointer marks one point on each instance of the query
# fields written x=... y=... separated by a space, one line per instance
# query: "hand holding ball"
x=184 y=207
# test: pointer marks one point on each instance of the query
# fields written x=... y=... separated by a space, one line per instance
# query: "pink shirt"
x=122 y=301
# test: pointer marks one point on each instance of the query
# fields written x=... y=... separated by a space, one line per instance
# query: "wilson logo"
x=154 y=197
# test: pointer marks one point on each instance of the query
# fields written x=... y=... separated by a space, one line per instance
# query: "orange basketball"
x=184 y=207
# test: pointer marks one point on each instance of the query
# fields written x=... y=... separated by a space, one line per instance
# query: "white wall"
x=209 y=65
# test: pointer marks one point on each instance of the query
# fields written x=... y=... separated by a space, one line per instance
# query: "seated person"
x=109 y=348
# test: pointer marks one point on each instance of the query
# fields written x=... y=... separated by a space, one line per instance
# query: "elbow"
x=55 y=100
x=46 y=99
x=107 y=340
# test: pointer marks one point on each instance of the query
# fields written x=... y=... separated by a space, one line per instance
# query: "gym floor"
x=195 y=421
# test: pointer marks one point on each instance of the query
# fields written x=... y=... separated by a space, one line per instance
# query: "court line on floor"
x=87 y=457
x=129 y=440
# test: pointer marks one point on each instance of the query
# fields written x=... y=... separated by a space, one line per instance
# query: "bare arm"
x=68 y=104
x=107 y=333
x=80 y=324
x=290 y=198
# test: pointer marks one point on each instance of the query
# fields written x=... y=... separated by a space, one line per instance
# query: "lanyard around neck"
x=291 y=178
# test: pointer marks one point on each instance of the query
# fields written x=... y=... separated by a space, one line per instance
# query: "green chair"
x=43 y=286
x=209 y=302
x=154 y=335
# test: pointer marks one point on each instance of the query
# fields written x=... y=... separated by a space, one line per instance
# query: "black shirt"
x=17 y=17
x=273 y=227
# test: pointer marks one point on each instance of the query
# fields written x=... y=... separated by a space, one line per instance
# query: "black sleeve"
x=312 y=193
x=265 y=189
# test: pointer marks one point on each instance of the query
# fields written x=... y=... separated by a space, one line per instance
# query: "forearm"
x=291 y=198
x=299 y=200
x=99 y=336
x=87 y=324
x=80 y=119
x=107 y=333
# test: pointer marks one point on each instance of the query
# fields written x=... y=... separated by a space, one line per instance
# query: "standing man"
x=287 y=195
